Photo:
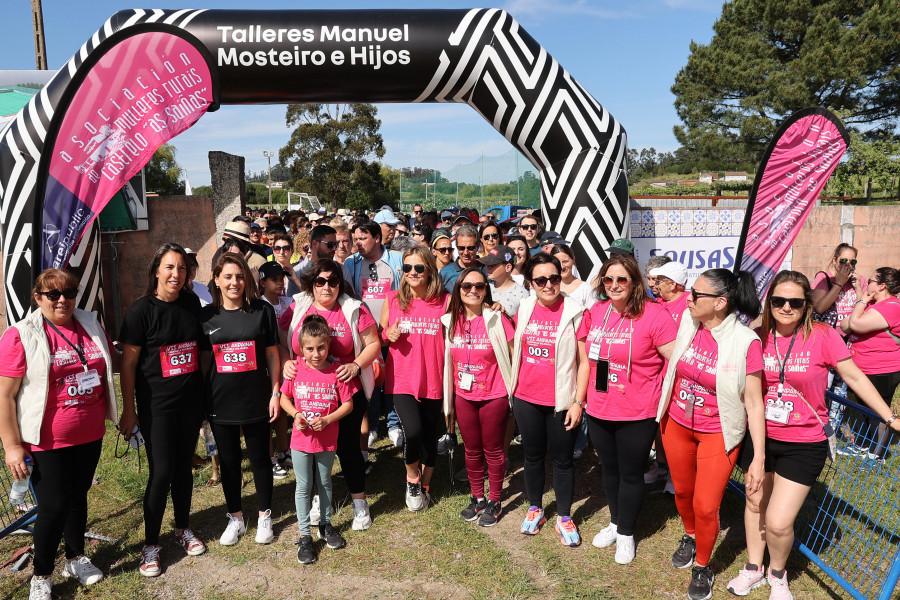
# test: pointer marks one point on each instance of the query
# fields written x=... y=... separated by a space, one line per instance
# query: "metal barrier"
x=850 y=524
x=14 y=517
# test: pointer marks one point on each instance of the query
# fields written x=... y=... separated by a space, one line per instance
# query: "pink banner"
x=140 y=94
x=797 y=165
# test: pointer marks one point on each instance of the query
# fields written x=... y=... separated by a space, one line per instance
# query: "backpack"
x=830 y=316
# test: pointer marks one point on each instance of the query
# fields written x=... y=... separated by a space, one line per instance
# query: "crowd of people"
x=316 y=326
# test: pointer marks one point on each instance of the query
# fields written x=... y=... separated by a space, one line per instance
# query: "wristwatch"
x=893 y=418
x=580 y=403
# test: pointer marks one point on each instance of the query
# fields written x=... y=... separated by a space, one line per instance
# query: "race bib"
x=179 y=359
x=88 y=379
x=777 y=414
x=235 y=357
x=375 y=290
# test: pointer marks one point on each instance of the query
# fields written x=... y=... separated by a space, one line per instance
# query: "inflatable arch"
x=147 y=75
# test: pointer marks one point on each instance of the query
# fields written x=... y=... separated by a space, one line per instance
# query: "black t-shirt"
x=238 y=378
x=168 y=379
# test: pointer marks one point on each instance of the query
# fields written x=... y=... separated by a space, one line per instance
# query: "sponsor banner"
x=805 y=151
x=140 y=94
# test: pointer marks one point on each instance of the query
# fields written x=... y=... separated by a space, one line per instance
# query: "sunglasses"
x=417 y=212
x=445 y=250
x=608 y=281
x=445 y=220
x=852 y=261
x=467 y=248
x=491 y=236
x=333 y=281
x=373 y=272
x=305 y=248
x=695 y=294
x=281 y=248
x=529 y=227
x=419 y=268
x=401 y=232
x=795 y=303
x=467 y=287
x=330 y=245
x=53 y=295
x=542 y=281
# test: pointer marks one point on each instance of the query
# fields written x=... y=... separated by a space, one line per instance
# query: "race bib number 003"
x=179 y=359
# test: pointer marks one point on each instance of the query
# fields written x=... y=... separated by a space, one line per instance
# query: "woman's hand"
x=755 y=474
x=15 y=460
x=127 y=422
x=347 y=371
x=392 y=333
x=274 y=403
x=289 y=369
x=843 y=273
x=573 y=416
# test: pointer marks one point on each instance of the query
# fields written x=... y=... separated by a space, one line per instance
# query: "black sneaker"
x=473 y=510
x=332 y=538
x=702 y=580
x=685 y=553
x=491 y=515
x=306 y=554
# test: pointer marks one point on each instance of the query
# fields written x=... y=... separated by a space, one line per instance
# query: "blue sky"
x=625 y=54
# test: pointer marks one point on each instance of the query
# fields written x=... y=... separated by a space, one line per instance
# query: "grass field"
x=430 y=555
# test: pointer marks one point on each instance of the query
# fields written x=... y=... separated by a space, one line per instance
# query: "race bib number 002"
x=179 y=359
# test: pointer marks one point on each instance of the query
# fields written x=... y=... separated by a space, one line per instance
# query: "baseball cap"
x=446 y=214
x=674 y=270
x=499 y=254
x=238 y=230
x=551 y=237
x=621 y=246
x=386 y=216
x=271 y=269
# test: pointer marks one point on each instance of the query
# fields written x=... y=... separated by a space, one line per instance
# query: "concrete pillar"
x=847 y=224
x=229 y=193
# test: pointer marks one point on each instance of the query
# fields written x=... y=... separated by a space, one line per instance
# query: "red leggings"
x=482 y=424
x=700 y=470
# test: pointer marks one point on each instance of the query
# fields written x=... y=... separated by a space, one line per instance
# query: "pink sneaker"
x=778 y=587
x=746 y=581
x=190 y=543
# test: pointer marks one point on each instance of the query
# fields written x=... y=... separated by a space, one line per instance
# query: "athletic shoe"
x=778 y=587
x=278 y=472
x=191 y=544
x=746 y=580
x=315 y=511
x=284 y=459
x=577 y=454
x=568 y=532
x=473 y=510
x=702 y=580
x=651 y=475
x=333 y=539
x=40 y=589
x=446 y=443
x=606 y=537
x=624 y=549
x=683 y=557
x=150 y=561
x=264 y=533
x=84 y=570
x=233 y=531
x=396 y=437
x=306 y=554
x=517 y=440
x=534 y=518
x=362 y=520
x=462 y=475
x=850 y=449
x=369 y=466
x=415 y=498
x=373 y=437
x=491 y=514
x=670 y=487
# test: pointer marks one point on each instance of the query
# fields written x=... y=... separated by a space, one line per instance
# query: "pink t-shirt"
x=610 y=337
x=74 y=414
x=537 y=373
x=877 y=352
x=846 y=297
x=316 y=394
x=341 y=349
x=695 y=375
x=805 y=372
x=677 y=307
x=415 y=362
x=471 y=352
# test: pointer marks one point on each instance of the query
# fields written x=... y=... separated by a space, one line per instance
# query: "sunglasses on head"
x=467 y=287
x=491 y=236
x=281 y=248
x=466 y=248
x=408 y=268
x=795 y=303
x=695 y=294
x=532 y=227
x=608 y=281
x=53 y=295
x=542 y=281
x=852 y=261
x=333 y=281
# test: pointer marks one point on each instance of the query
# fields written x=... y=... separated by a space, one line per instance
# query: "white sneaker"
x=651 y=475
x=396 y=436
x=606 y=537
x=84 y=570
x=362 y=520
x=624 y=549
x=416 y=498
x=373 y=437
x=264 y=533
x=233 y=531
x=315 y=511
x=40 y=589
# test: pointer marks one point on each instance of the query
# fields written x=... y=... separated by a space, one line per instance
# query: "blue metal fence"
x=850 y=524
x=12 y=516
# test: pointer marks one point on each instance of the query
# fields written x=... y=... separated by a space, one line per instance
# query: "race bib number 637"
x=179 y=359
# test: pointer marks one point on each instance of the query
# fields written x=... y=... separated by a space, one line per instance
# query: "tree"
x=162 y=173
x=768 y=59
x=872 y=159
x=332 y=150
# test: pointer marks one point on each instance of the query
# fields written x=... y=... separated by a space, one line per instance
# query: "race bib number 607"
x=179 y=359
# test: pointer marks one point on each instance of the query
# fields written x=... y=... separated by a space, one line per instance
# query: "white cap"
x=675 y=271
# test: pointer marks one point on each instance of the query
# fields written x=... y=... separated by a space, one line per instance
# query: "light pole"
x=269 y=156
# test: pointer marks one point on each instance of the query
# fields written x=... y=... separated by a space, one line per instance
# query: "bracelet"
x=358 y=368
x=861 y=302
x=893 y=418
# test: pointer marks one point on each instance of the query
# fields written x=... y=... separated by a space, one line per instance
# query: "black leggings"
x=228 y=441
x=348 y=452
x=170 y=441
x=420 y=420
x=543 y=430
x=623 y=448
x=61 y=480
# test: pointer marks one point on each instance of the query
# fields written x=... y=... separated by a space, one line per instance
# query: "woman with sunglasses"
x=489 y=237
x=239 y=360
x=477 y=371
x=161 y=372
x=518 y=245
x=441 y=249
x=712 y=388
x=411 y=325
x=874 y=341
x=530 y=228
x=550 y=377
x=283 y=249
x=627 y=339
x=354 y=346
x=580 y=290
x=836 y=289
x=56 y=391
x=797 y=353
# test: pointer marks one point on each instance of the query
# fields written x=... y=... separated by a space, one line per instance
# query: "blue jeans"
x=308 y=467
x=379 y=403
